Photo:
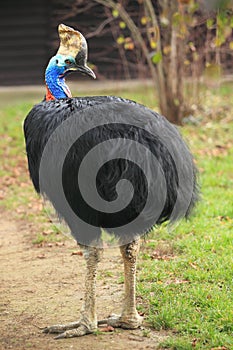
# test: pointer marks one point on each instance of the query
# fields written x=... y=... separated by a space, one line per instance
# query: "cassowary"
x=127 y=156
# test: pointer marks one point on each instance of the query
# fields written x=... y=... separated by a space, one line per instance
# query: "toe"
x=60 y=328
x=116 y=321
x=77 y=332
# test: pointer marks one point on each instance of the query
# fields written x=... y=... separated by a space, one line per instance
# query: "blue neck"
x=55 y=80
x=56 y=84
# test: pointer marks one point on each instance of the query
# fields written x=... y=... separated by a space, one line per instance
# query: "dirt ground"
x=43 y=285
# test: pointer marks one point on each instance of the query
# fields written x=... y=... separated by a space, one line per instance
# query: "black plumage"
x=143 y=126
x=105 y=162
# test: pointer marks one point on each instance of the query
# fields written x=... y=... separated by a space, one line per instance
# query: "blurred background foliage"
x=178 y=44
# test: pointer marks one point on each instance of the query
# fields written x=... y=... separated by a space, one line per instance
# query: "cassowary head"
x=71 y=55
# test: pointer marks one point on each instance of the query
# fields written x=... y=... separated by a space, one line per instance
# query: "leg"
x=129 y=317
x=88 y=321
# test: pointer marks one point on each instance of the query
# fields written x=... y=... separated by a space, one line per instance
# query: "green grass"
x=53 y=235
x=190 y=291
x=185 y=274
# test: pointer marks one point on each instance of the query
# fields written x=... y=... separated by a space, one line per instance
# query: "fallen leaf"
x=175 y=281
x=46 y=233
x=20 y=210
x=136 y=338
x=60 y=244
x=23 y=184
x=106 y=287
x=224 y=218
x=194 y=342
x=77 y=253
x=16 y=172
x=156 y=255
x=41 y=256
x=2 y=195
x=107 y=329
x=193 y=265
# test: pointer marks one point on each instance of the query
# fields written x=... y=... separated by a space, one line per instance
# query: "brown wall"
x=24 y=41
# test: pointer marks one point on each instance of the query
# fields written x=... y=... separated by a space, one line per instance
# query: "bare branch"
x=115 y=34
x=100 y=28
x=74 y=10
x=137 y=37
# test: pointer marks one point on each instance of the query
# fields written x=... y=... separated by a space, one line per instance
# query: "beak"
x=86 y=70
x=82 y=69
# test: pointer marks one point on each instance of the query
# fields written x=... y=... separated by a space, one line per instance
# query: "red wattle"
x=49 y=96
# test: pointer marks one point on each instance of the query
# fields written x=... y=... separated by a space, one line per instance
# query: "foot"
x=120 y=321
x=74 y=329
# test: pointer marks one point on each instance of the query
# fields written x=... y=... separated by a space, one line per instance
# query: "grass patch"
x=48 y=236
x=185 y=273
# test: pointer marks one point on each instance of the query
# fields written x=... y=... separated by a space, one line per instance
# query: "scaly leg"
x=129 y=317
x=88 y=321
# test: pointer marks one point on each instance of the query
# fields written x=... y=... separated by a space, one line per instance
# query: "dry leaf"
x=175 y=281
x=160 y=256
x=193 y=265
x=47 y=232
x=77 y=253
x=136 y=338
x=60 y=244
x=41 y=256
x=194 y=342
x=107 y=329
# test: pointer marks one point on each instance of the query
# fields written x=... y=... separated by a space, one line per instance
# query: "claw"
x=118 y=321
x=60 y=328
x=106 y=320
x=52 y=329
x=60 y=336
x=78 y=329
x=77 y=332
x=74 y=329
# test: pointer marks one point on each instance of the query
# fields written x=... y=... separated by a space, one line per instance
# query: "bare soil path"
x=44 y=285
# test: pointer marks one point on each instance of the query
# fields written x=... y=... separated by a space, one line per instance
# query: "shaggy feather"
x=152 y=131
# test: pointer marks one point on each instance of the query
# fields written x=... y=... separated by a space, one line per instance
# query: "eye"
x=57 y=61
x=68 y=61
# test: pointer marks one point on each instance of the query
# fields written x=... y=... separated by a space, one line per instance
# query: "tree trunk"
x=167 y=74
